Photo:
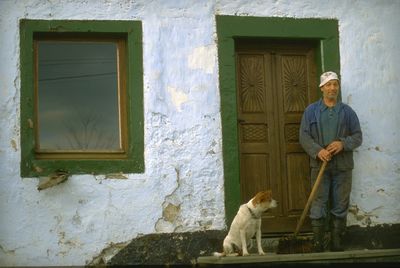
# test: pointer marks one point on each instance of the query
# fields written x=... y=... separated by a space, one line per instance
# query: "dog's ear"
x=262 y=197
x=267 y=196
x=256 y=200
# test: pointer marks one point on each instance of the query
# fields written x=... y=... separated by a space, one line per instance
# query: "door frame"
x=325 y=31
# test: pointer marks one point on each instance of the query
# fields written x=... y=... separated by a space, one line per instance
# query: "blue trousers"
x=335 y=188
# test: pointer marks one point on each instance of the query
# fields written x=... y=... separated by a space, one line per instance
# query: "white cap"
x=326 y=77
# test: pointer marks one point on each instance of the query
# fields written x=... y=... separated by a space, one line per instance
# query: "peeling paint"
x=376 y=148
x=177 y=97
x=76 y=219
x=170 y=213
x=365 y=218
x=7 y=251
x=107 y=253
x=119 y=176
x=30 y=123
x=52 y=180
x=14 y=145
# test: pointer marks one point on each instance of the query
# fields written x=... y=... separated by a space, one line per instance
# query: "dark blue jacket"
x=349 y=132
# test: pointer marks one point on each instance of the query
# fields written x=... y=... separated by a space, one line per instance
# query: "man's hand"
x=324 y=155
x=335 y=147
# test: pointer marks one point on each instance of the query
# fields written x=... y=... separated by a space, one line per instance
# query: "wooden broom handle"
x=311 y=197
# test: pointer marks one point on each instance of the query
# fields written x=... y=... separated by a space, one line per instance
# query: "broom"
x=293 y=244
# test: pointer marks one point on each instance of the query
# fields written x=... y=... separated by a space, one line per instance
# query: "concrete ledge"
x=377 y=255
x=192 y=248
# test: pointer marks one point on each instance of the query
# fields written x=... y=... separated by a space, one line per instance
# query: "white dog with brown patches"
x=246 y=224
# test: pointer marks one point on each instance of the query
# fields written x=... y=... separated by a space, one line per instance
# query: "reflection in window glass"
x=77 y=96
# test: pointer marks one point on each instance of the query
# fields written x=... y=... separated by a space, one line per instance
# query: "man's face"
x=331 y=89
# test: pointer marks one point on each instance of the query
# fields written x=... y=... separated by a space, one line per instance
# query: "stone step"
x=350 y=256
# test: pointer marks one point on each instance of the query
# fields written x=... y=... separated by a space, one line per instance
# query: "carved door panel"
x=275 y=83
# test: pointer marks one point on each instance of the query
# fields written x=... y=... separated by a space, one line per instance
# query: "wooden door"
x=275 y=83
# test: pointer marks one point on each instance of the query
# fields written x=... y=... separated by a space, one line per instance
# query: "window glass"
x=77 y=96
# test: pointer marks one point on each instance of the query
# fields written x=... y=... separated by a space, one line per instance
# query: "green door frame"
x=325 y=31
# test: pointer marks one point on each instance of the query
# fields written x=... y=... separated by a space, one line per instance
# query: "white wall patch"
x=203 y=58
x=177 y=97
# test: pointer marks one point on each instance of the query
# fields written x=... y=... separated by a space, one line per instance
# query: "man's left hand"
x=335 y=147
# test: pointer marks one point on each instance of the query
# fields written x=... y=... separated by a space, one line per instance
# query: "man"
x=330 y=131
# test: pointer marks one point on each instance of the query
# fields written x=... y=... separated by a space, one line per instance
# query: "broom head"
x=295 y=244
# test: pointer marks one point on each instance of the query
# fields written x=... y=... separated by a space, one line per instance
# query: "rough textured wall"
x=182 y=187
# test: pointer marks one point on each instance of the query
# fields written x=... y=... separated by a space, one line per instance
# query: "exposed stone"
x=171 y=212
x=169 y=248
x=378 y=237
x=106 y=254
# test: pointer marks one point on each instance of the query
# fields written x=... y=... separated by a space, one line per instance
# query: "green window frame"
x=325 y=31
x=33 y=163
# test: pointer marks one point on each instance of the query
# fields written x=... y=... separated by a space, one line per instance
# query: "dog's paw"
x=219 y=255
x=261 y=253
x=232 y=255
x=245 y=254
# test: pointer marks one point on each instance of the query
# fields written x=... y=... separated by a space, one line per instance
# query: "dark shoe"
x=318 y=247
x=318 y=229
x=336 y=241
x=338 y=229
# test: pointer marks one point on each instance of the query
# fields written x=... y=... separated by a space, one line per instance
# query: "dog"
x=246 y=224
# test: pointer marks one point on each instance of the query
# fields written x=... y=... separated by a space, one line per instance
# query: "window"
x=81 y=97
